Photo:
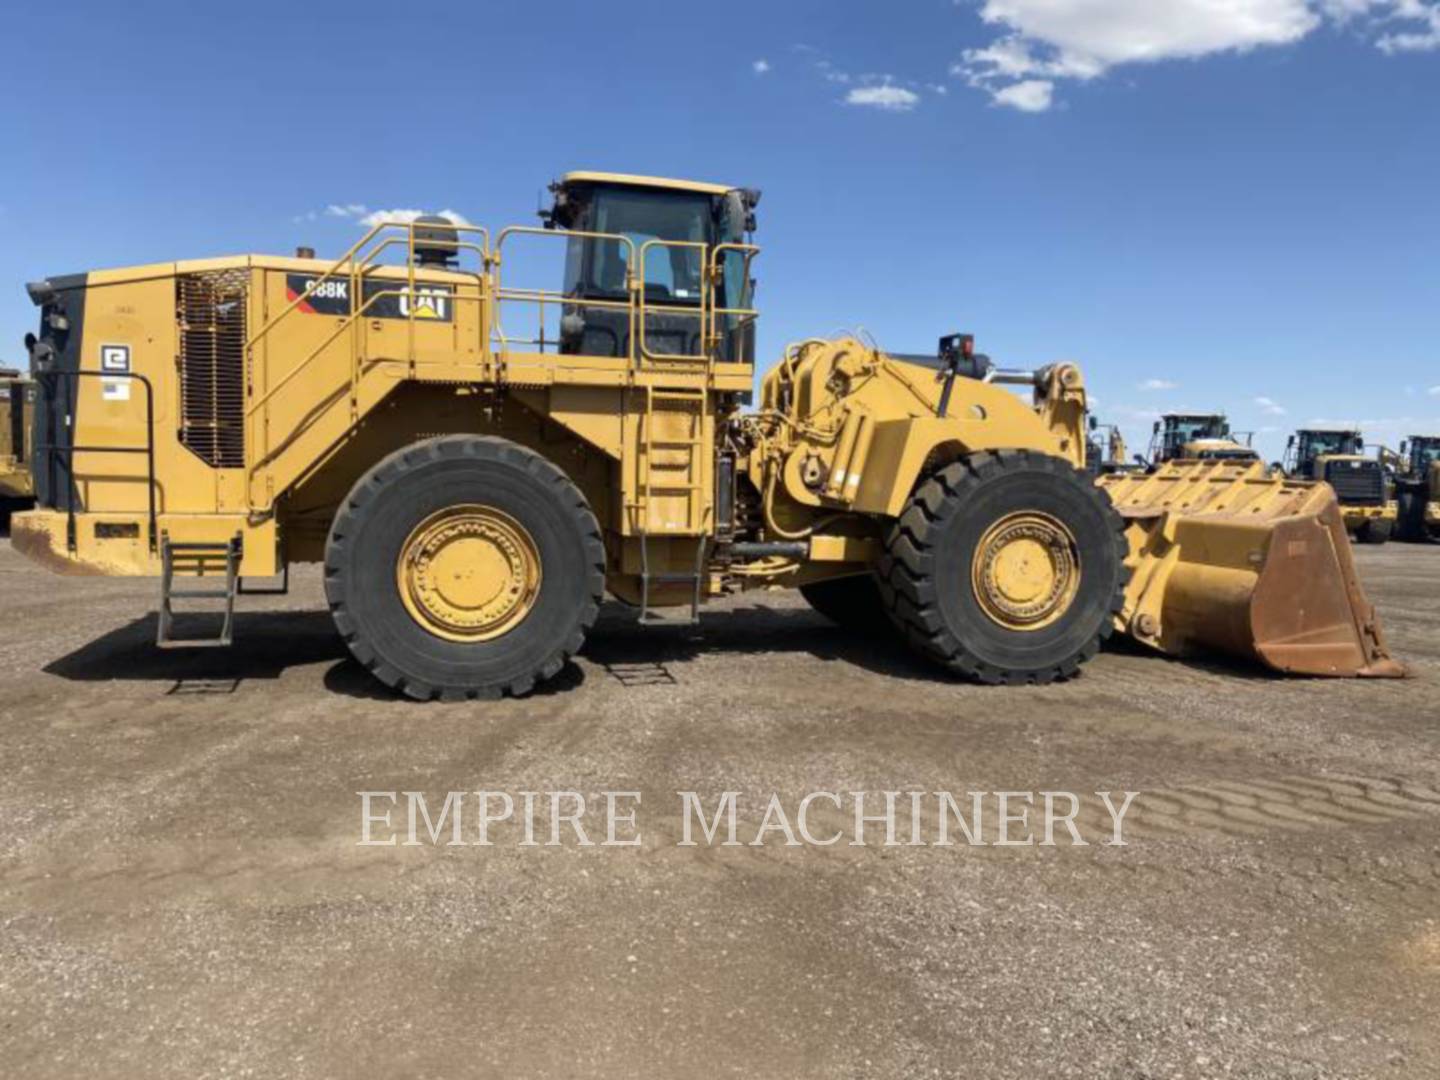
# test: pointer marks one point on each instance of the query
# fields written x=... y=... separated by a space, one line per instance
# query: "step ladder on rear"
x=197 y=562
x=697 y=511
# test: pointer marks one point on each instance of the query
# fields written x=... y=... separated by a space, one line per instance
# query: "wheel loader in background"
x=476 y=462
x=1417 y=490
x=17 y=397
x=1337 y=457
x=1197 y=437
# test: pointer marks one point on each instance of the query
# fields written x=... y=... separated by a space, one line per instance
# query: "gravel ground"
x=182 y=891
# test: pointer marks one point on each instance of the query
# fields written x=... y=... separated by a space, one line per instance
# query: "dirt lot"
x=182 y=892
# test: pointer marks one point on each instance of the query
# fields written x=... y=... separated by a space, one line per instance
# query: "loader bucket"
x=1226 y=558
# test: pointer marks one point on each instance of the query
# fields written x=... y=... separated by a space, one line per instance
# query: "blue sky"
x=1209 y=205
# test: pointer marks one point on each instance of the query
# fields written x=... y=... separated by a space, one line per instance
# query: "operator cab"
x=1420 y=453
x=659 y=238
x=1174 y=432
x=1307 y=448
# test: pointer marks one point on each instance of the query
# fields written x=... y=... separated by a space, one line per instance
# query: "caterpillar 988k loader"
x=477 y=462
x=1417 y=487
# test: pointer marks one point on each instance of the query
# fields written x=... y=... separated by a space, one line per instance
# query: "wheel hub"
x=1026 y=571
x=469 y=573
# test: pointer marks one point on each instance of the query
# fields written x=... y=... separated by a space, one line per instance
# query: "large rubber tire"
x=926 y=572
x=1410 y=524
x=852 y=602
x=410 y=486
x=1376 y=531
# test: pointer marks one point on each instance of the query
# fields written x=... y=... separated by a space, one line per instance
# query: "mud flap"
x=1226 y=558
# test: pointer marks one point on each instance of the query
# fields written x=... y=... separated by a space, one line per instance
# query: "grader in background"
x=474 y=489
x=17 y=398
x=1337 y=457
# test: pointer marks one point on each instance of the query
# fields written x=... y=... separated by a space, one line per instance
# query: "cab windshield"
x=1321 y=443
x=672 y=274
x=1192 y=428
x=1423 y=454
x=1180 y=430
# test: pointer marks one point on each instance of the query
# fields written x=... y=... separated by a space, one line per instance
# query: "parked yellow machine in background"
x=1105 y=451
x=1337 y=456
x=17 y=398
x=1417 y=485
x=1197 y=437
x=477 y=461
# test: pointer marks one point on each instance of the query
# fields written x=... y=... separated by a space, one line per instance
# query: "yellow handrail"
x=699 y=315
x=503 y=295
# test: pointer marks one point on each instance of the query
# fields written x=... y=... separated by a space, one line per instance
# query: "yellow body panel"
x=1356 y=516
x=842 y=425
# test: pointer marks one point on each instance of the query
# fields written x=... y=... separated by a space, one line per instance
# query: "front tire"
x=1410 y=524
x=1006 y=568
x=1376 y=531
x=464 y=567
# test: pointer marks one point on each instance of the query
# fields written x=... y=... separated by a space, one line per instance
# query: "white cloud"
x=1424 y=32
x=1158 y=384
x=406 y=216
x=1269 y=406
x=1049 y=40
x=1029 y=95
x=884 y=96
x=760 y=67
x=345 y=210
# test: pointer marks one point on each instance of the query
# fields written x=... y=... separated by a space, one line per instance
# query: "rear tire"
x=943 y=582
x=1376 y=532
x=464 y=567
x=851 y=602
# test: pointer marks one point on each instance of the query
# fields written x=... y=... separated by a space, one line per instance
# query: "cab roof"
x=631 y=180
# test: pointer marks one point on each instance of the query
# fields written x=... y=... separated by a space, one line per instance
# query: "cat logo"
x=427 y=303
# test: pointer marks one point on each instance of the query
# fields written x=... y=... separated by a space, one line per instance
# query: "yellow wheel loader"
x=1417 y=488
x=1337 y=456
x=477 y=459
x=17 y=397
x=1197 y=437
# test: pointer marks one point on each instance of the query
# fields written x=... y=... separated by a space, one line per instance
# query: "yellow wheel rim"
x=1026 y=571
x=469 y=573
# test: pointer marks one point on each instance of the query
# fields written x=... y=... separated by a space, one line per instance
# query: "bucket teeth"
x=1226 y=558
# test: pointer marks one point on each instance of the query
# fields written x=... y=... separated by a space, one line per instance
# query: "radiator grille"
x=210 y=308
x=1359 y=483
